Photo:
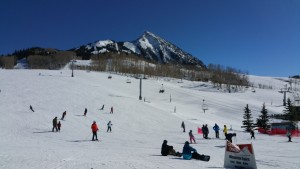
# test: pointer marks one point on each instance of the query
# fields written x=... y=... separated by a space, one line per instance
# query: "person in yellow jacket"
x=225 y=130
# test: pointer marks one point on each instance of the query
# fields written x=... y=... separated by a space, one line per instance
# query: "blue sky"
x=258 y=36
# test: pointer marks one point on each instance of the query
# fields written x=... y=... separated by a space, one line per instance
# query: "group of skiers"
x=56 y=125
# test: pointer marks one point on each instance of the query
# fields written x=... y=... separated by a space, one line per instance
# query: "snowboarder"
x=63 y=115
x=54 y=124
x=95 y=129
x=85 y=111
x=203 y=131
x=216 y=128
x=30 y=107
x=109 y=126
x=187 y=152
x=58 y=126
x=289 y=135
x=102 y=107
x=192 y=138
x=252 y=134
x=183 y=126
x=168 y=150
x=111 y=110
x=229 y=136
x=225 y=130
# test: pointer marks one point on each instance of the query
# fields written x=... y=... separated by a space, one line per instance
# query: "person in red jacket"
x=94 y=130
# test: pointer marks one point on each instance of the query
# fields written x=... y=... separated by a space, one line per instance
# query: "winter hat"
x=165 y=141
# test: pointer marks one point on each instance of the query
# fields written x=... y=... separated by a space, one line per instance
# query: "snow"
x=102 y=43
x=139 y=128
x=132 y=47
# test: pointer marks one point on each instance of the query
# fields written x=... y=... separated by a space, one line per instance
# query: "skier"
x=109 y=126
x=192 y=138
x=206 y=132
x=58 y=126
x=289 y=135
x=183 y=126
x=229 y=136
x=168 y=150
x=225 y=130
x=252 y=134
x=30 y=107
x=63 y=115
x=54 y=124
x=111 y=110
x=216 y=128
x=187 y=152
x=85 y=111
x=203 y=131
x=94 y=130
x=102 y=107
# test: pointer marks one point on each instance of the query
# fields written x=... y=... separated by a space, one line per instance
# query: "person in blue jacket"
x=216 y=128
x=187 y=152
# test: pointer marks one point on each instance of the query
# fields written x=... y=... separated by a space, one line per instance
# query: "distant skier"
x=58 y=126
x=168 y=150
x=30 y=107
x=229 y=136
x=54 y=122
x=95 y=129
x=225 y=130
x=102 y=107
x=183 y=126
x=203 y=131
x=216 y=128
x=206 y=131
x=109 y=124
x=252 y=134
x=85 y=111
x=289 y=135
x=192 y=138
x=111 y=110
x=63 y=115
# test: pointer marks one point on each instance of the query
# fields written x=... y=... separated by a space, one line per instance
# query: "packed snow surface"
x=139 y=126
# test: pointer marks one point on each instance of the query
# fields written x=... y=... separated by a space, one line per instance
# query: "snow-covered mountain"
x=149 y=46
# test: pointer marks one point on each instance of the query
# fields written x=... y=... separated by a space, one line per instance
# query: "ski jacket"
x=216 y=128
x=94 y=127
x=191 y=134
x=225 y=129
x=54 y=121
x=165 y=149
x=182 y=125
x=187 y=151
x=109 y=124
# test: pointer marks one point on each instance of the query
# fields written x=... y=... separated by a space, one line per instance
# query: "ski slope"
x=139 y=127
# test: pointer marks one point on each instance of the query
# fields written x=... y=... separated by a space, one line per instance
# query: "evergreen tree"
x=247 y=122
x=263 y=120
x=290 y=113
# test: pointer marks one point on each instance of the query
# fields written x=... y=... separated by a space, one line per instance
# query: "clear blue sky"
x=258 y=36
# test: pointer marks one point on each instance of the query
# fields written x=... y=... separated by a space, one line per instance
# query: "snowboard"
x=204 y=157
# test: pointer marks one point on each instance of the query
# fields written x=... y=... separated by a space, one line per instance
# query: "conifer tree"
x=247 y=122
x=263 y=120
x=289 y=112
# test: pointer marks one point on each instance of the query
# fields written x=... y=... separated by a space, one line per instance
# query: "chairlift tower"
x=284 y=91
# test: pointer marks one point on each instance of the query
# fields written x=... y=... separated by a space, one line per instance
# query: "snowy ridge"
x=139 y=127
x=150 y=46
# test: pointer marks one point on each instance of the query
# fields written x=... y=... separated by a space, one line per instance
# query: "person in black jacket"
x=168 y=150
x=229 y=136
